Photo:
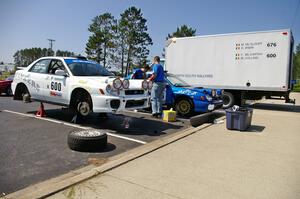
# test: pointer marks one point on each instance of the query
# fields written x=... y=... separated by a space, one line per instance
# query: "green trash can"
x=238 y=119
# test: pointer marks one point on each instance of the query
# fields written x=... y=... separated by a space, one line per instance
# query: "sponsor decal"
x=186 y=92
x=82 y=81
x=55 y=94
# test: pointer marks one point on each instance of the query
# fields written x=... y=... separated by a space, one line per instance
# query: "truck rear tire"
x=228 y=100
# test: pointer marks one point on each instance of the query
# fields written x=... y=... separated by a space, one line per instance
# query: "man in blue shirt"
x=158 y=78
x=140 y=73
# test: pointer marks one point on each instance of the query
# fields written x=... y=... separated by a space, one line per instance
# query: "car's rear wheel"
x=26 y=96
x=22 y=93
x=184 y=107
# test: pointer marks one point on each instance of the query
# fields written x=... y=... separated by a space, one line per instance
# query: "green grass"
x=5 y=75
x=296 y=88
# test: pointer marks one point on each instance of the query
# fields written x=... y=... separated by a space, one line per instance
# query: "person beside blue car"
x=158 y=78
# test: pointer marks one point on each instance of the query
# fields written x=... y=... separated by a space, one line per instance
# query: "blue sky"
x=29 y=23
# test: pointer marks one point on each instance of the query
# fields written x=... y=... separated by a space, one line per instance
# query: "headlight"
x=126 y=83
x=150 y=85
x=208 y=98
x=222 y=92
x=144 y=84
x=108 y=88
x=213 y=93
x=117 y=83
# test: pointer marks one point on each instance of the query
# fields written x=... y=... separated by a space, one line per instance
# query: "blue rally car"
x=187 y=99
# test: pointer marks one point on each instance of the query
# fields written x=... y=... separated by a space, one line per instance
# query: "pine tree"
x=100 y=46
x=182 y=31
x=134 y=37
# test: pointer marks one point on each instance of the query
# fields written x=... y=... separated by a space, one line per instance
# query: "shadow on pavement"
x=255 y=129
x=133 y=124
x=277 y=107
x=5 y=95
x=108 y=148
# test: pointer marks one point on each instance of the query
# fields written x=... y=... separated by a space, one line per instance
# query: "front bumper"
x=105 y=104
x=216 y=104
x=205 y=106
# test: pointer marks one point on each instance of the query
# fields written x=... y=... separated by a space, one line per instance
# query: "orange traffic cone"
x=41 y=112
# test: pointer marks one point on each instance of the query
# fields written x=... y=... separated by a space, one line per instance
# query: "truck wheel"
x=228 y=100
x=87 y=140
x=184 y=107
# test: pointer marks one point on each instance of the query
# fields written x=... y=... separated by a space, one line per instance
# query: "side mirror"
x=61 y=73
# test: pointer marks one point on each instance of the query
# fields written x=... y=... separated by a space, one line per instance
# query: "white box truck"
x=246 y=65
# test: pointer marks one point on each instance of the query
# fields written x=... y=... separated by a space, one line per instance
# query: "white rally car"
x=80 y=84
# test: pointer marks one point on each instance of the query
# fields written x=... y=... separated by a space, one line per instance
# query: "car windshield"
x=176 y=81
x=86 y=68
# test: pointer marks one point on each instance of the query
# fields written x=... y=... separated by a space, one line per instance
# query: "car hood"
x=96 y=80
x=198 y=89
x=195 y=90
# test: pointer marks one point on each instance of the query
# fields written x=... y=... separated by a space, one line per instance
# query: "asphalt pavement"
x=261 y=162
x=35 y=149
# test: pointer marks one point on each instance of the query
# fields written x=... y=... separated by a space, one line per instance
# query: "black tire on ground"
x=8 y=91
x=184 y=107
x=201 y=119
x=87 y=140
x=228 y=100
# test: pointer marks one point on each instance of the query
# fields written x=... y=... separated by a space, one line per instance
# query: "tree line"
x=24 y=57
x=123 y=42
x=296 y=64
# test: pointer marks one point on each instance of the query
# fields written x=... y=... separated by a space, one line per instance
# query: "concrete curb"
x=54 y=185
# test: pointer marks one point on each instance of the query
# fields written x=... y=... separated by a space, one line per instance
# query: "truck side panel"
x=242 y=61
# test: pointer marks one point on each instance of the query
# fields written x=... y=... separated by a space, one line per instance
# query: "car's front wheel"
x=81 y=103
x=83 y=108
x=184 y=107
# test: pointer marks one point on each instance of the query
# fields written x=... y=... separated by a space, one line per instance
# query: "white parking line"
x=74 y=125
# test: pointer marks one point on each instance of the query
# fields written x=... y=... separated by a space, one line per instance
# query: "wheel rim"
x=84 y=108
x=26 y=97
x=184 y=107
